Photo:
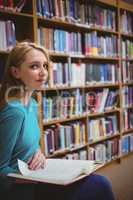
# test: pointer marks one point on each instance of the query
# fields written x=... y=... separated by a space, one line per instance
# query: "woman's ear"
x=15 y=72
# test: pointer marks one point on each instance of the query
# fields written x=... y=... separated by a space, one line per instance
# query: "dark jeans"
x=93 y=187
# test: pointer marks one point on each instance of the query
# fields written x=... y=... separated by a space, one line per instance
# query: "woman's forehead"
x=35 y=55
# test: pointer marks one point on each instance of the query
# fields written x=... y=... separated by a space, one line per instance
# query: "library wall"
x=121 y=177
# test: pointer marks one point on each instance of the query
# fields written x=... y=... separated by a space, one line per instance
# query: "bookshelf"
x=79 y=59
x=16 y=24
x=126 y=61
x=86 y=110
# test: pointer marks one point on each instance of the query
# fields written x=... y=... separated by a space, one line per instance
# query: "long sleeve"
x=10 y=128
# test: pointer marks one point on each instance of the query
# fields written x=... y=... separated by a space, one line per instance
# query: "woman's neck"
x=26 y=97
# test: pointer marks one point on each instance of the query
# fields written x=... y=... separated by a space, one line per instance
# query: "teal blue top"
x=19 y=134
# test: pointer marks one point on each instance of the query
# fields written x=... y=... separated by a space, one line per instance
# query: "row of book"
x=59 y=138
x=111 y=149
x=101 y=100
x=106 y=151
x=67 y=104
x=105 y=18
x=127 y=48
x=100 y=45
x=127 y=71
x=63 y=137
x=78 y=43
x=127 y=96
x=60 y=40
x=79 y=12
x=7 y=35
x=80 y=155
x=12 y=5
x=126 y=144
x=102 y=127
x=81 y=74
x=126 y=25
x=102 y=153
x=127 y=119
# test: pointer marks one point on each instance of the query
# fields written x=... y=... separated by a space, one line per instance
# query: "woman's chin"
x=41 y=87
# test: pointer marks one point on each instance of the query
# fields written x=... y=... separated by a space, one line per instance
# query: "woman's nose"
x=43 y=71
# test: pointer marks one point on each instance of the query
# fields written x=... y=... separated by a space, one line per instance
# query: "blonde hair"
x=15 y=58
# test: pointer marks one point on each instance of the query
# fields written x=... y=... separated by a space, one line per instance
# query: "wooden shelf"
x=58 y=54
x=127 y=131
x=15 y=14
x=67 y=151
x=81 y=56
x=4 y=52
x=79 y=117
x=128 y=35
x=61 y=120
x=127 y=107
x=74 y=26
x=102 y=139
x=127 y=59
x=126 y=155
x=124 y=5
x=88 y=86
x=110 y=2
x=103 y=113
x=128 y=83
x=101 y=58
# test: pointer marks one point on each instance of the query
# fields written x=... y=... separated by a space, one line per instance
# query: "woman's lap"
x=93 y=187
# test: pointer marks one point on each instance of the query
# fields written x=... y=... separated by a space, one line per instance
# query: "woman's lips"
x=41 y=80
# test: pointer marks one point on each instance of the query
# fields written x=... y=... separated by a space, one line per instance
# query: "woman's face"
x=33 y=71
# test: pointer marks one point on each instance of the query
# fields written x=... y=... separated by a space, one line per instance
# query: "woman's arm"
x=10 y=126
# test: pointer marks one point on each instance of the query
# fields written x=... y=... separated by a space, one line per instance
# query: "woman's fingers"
x=37 y=161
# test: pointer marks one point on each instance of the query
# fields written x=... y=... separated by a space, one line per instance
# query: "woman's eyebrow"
x=32 y=62
x=36 y=62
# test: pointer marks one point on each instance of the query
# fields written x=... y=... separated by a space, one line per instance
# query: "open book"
x=57 y=171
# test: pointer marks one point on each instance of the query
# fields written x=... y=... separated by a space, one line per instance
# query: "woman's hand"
x=37 y=161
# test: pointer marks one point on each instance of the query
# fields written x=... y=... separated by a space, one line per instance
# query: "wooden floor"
x=121 y=177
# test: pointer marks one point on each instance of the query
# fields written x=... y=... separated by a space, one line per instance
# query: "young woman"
x=26 y=72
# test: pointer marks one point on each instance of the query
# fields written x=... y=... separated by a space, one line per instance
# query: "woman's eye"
x=45 y=66
x=34 y=67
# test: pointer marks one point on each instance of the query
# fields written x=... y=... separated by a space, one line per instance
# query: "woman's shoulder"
x=17 y=109
x=12 y=109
